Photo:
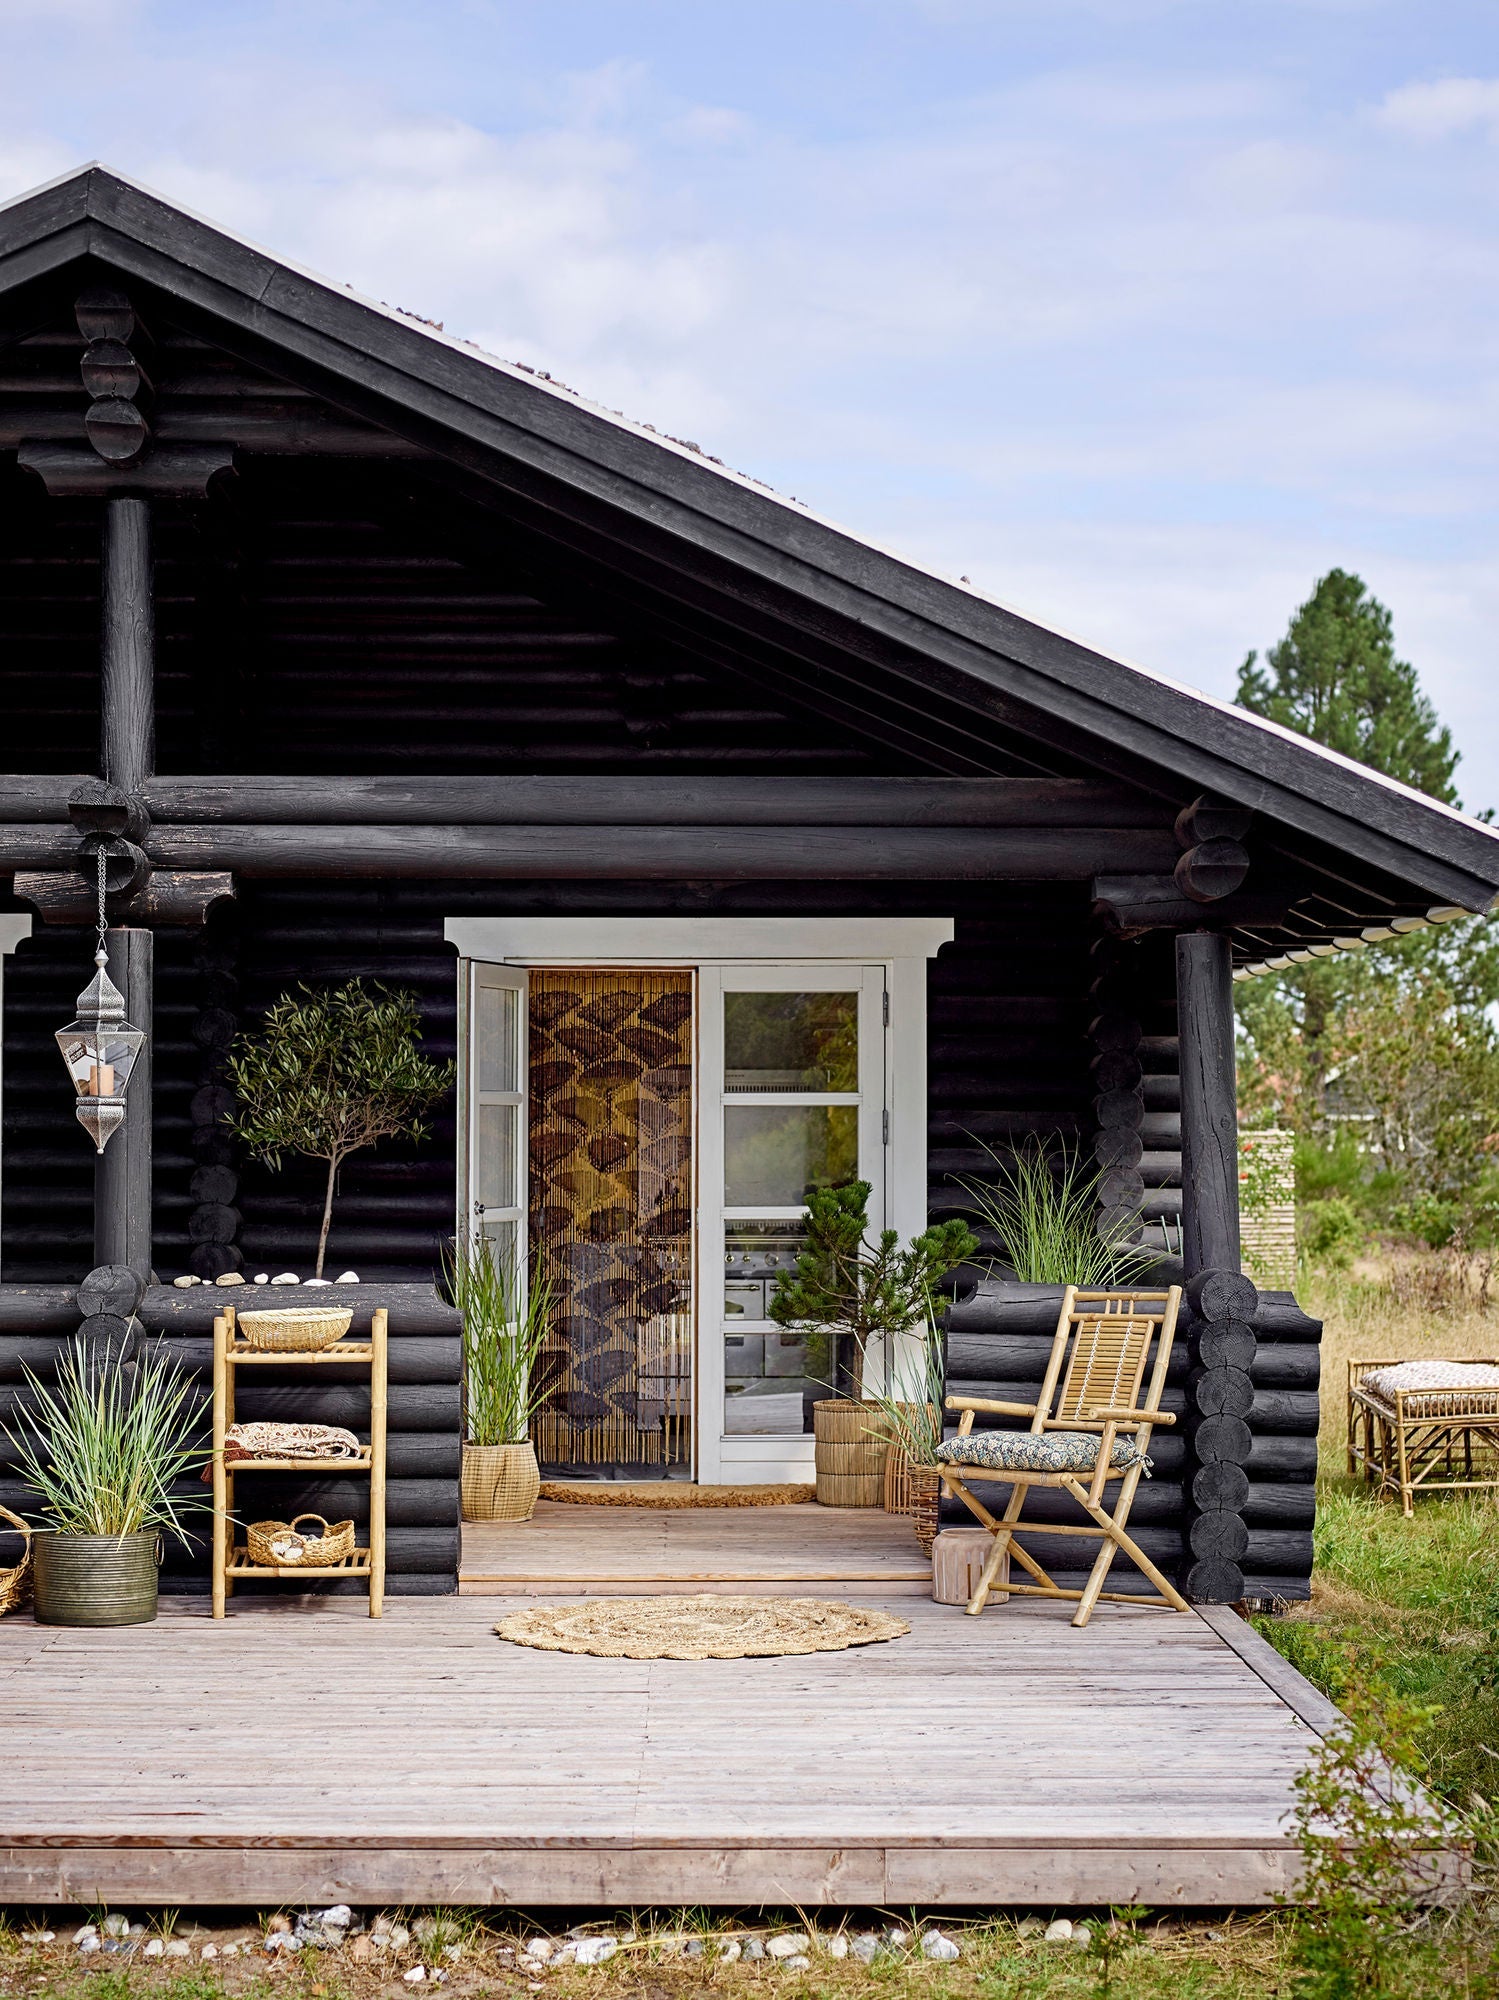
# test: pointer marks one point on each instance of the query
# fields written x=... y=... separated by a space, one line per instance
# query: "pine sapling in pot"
x=331 y=1073
x=848 y=1295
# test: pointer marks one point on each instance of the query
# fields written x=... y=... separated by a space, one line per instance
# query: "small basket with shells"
x=295 y=1329
x=283 y=1544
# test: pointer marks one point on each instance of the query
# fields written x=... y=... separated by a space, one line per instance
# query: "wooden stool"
x=958 y=1555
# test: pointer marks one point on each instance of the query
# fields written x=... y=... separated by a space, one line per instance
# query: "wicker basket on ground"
x=852 y=1441
x=15 y=1583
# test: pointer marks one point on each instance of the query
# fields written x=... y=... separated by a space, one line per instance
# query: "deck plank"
x=302 y=1752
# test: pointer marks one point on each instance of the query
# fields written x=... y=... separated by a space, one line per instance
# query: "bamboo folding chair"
x=1084 y=1437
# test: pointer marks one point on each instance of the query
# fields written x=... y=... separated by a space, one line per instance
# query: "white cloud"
x=1441 y=110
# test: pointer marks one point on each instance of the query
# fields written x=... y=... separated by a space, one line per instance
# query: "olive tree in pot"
x=506 y=1319
x=849 y=1296
x=103 y=1448
x=330 y=1073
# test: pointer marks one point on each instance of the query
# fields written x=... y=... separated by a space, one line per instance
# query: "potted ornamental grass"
x=1043 y=1206
x=506 y=1314
x=103 y=1448
x=910 y=1418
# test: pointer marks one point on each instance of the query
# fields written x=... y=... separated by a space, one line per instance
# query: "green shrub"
x=1331 y=1232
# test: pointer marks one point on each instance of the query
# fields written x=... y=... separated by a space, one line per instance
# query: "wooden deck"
x=565 y=1550
x=299 y=1752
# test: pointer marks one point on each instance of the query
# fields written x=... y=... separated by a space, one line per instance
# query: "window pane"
x=791 y=1041
x=498 y=1186
x=773 y=1153
x=499 y=1044
x=771 y=1377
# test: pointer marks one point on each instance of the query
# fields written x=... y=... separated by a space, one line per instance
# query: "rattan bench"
x=1426 y=1439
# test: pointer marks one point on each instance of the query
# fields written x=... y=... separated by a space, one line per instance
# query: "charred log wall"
x=422 y=1439
x=998 y=1340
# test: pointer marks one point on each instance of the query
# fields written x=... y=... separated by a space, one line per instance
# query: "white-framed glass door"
x=496 y=1073
x=792 y=1076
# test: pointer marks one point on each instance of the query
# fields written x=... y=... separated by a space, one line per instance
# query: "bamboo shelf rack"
x=230 y=1560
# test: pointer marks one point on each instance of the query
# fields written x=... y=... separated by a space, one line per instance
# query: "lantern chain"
x=101 y=955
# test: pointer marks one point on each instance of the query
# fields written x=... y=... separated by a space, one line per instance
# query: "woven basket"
x=300 y=1330
x=898 y=1472
x=926 y=1504
x=500 y=1482
x=15 y=1584
x=331 y=1546
x=850 y=1452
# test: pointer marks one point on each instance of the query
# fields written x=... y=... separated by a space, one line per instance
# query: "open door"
x=495 y=1205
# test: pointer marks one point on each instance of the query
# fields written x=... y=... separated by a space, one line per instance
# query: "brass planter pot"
x=96 y=1579
x=499 y=1482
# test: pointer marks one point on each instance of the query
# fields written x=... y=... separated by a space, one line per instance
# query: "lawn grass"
x=1410 y=1606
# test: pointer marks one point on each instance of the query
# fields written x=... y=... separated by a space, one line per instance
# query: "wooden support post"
x=1209 y=1103
x=1221 y=1301
x=122 y=1173
x=127 y=683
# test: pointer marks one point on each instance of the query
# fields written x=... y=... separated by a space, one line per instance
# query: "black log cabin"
x=724 y=853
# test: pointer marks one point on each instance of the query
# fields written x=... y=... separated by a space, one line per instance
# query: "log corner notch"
x=1210 y=871
x=1221 y=1301
x=118 y=453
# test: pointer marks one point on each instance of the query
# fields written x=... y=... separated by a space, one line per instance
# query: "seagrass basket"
x=279 y=1544
x=850 y=1448
x=898 y=1471
x=499 y=1482
x=295 y=1330
x=926 y=1504
x=15 y=1583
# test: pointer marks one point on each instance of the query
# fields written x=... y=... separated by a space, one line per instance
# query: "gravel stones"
x=936 y=1945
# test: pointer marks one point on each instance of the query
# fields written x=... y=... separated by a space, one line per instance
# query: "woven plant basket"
x=500 y=1482
x=299 y=1330
x=898 y=1473
x=96 y=1579
x=926 y=1504
x=849 y=1451
x=15 y=1584
x=308 y=1551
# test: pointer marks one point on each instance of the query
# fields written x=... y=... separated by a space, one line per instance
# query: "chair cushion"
x=1046 y=1451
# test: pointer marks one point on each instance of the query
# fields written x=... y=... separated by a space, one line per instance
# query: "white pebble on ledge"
x=347 y=1278
x=184 y=1283
x=287 y=1278
x=262 y=1277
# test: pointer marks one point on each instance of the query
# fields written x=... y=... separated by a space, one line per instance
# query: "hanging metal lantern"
x=100 y=1047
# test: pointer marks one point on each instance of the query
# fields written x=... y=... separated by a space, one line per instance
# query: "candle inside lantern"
x=101 y=1079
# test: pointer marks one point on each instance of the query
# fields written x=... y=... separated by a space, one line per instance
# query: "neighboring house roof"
x=880 y=632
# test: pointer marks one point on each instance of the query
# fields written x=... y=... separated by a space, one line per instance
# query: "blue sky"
x=1140 y=313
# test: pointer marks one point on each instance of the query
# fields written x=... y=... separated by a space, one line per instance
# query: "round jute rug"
x=698 y=1628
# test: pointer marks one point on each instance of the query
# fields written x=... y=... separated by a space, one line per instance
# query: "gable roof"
x=881 y=629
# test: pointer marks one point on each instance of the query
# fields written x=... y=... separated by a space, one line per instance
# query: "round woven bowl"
x=298 y=1330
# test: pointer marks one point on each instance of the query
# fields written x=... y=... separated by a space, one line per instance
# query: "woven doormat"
x=698 y=1628
x=669 y=1493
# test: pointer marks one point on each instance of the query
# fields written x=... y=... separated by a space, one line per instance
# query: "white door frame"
x=900 y=946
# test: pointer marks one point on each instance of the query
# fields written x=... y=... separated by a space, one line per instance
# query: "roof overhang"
x=905 y=636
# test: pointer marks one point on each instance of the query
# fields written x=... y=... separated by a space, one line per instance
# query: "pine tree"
x=1334 y=677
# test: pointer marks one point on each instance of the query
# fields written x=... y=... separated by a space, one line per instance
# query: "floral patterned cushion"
x=1047 y=1451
